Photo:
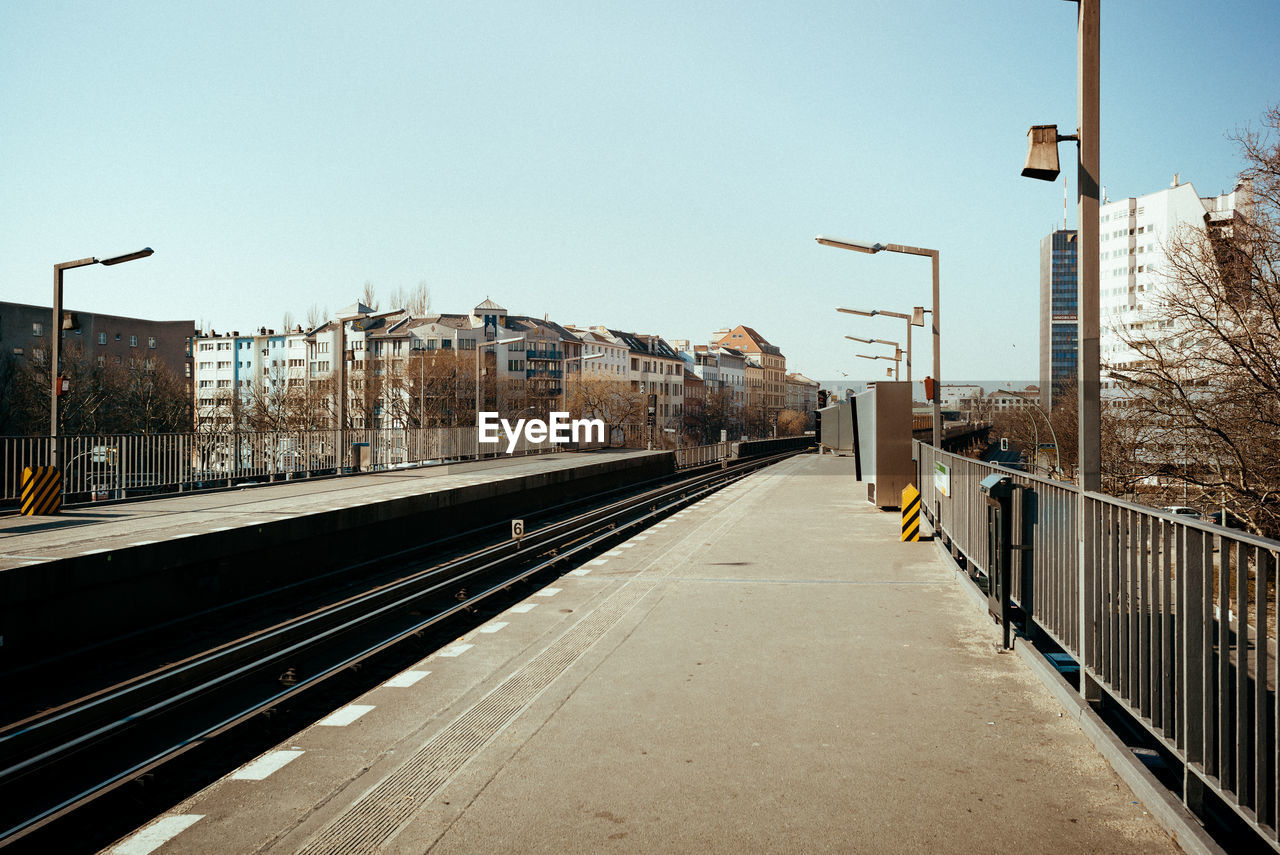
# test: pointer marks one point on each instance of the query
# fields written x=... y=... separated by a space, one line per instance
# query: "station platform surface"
x=30 y=540
x=768 y=670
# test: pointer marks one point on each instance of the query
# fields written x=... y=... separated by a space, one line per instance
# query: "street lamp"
x=897 y=357
x=564 y=387
x=872 y=249
x=479 y=345
x=56 y=334
x=1041 y=139
x=1057 y=453
x=871 y=340
x=915 y=319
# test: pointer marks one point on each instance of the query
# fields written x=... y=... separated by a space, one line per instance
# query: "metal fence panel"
x=1180 y=616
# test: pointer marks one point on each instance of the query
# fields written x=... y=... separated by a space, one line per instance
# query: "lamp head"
x=856 y=245
x=129 y=256
x=1042 y=153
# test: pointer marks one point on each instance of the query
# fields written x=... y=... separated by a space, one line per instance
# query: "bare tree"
x=316 y=316
x=612 y=401
x=418 y=301
x=1206 y=378
x=792 y=423
x=368 y=297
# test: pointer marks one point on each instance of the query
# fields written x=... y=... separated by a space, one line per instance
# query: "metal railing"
x=700 y=455
x=1178 y=619
x=115 y=466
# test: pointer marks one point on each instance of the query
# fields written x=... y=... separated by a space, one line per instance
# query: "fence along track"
x=55 y=744
x=1179 y=618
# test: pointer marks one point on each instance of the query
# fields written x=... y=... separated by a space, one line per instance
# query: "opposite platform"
x=28 y=540
x=769 y=670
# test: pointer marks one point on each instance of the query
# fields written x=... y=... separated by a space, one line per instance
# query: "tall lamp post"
x=872 y=249
x=1042 y=163
x=564 y=387
x=479 y=345
x=55 y=340
x=915 y=319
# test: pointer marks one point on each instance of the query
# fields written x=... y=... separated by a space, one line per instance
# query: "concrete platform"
x=30 y=540
x=769 y=670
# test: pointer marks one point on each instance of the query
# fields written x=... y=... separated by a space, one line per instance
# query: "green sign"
x=942 y=479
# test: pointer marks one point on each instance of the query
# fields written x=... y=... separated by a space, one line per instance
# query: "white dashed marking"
x=456 y=650
x=405 y=679
x=265 y=765
x=345 y=716
x=157 y=834
x=142 y=542
x=547 y=592
x=523 y=608
x=497 y=626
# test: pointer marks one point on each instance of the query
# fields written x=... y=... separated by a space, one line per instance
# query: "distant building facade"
x=1059 y=328
x=25 y=332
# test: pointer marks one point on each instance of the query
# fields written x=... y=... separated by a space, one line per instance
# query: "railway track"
x=65 y=770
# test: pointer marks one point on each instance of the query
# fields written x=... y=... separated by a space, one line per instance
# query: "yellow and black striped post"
x=41 y=491
x=910 y=513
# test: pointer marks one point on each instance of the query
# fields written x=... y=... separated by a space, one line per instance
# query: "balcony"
x=544 y=354
x=543 y=373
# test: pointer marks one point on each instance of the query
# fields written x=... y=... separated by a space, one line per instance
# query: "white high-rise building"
x=1133 y=237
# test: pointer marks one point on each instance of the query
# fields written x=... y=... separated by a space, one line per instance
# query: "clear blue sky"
x=656 y=166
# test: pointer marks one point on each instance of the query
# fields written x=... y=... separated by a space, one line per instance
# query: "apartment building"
x=655 y=368
x=247 y=377
x=603 y=355
x=802 y=393
x=104 y=339
x=772 y=364
x=722 y=369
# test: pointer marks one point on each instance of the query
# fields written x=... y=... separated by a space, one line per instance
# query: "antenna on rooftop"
x=1064 y=205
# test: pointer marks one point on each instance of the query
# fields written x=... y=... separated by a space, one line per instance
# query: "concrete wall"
x=58 y=606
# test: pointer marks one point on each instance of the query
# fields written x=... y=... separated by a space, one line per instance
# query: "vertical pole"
x=477 y=443
x=937 y=359
x=909 y=350
x=1088 y=182
x=341 y=356
x=55 y=341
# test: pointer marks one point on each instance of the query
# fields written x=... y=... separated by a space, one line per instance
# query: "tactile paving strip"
x=384 y=809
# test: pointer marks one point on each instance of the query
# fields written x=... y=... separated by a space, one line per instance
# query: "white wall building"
x=248 y=368
x=1133 y=236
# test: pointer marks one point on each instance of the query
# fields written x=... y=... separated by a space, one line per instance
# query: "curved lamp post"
x=55 y=333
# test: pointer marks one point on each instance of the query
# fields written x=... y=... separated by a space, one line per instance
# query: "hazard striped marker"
x=41 y=491
x=910 y=513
